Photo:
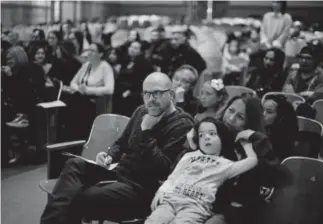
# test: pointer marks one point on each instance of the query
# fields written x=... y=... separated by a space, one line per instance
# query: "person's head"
x=234 y=46
x=135 y=49
x=133 y=36
x=214 y=138
x=96 y=51
x=274 y=59
x=53 y=38
x=40 y=54
x=157 y=33
x=77 y=39
x=13 y=38
x=307 y=59
x=254 y=34
x=243 y=112
x=213 y=94
x=113 y=56
x=16 y=57
x=279 y=6
x=186 y=77
x=157 y=93
x=178 y=38
x=68 y=49
x=38 y=34
x=278 y=112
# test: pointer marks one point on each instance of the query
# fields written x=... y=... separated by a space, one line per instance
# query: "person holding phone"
x=146 y=151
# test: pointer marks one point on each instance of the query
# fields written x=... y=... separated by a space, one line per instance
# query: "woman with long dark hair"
x=281 y=125
x=269 y=75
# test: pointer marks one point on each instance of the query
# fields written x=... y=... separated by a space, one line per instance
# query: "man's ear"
x=172 y=94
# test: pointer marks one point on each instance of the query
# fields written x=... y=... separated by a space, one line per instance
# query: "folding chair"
x=318 y=105
x=106 y=129
x=309 y=139
x=300 y=199
x=239 y=90
x=292 y=98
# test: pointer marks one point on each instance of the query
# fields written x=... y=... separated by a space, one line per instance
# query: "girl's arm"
x=246 y=164
x=74 y=83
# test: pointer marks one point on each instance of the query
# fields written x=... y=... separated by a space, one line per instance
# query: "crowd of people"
x=211 y=150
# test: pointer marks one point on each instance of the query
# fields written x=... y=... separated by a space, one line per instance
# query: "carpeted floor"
x=22 y=201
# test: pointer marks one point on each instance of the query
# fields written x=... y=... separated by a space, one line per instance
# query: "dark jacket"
x=185 y=54
x=145 y=157
x=158 y=54
x=190 y=104
x=246 y=188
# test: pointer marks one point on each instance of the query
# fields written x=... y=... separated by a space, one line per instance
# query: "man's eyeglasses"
x=156 y=94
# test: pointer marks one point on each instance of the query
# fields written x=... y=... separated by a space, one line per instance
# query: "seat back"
x=239 y=90
x=300 y=199
x=318 y=106
x=308 y=141
x=106 y=129
x=292 y=98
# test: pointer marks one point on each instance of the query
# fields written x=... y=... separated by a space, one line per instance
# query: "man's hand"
x=159 y=196
x=148 y=121
x=190 y=136
x=126 y=93
x=103 y=159
x=6 y=70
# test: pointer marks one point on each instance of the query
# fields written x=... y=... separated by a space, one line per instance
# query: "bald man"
x=145 y=152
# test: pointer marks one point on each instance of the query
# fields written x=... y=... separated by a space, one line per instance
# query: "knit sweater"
x=145 y=157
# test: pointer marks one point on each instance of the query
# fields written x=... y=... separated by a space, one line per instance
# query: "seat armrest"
x=105 y=182
x=65 y=145
x=55 y=159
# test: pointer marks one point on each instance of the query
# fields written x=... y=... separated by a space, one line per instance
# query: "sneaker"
x=21 y=121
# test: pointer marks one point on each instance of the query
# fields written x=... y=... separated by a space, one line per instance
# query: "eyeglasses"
x=156 y=94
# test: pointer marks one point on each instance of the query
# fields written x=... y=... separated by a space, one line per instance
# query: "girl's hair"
x=58 y=34
x=19 y=55
x=192 y=70
x=279 y=59
x=227 y=137
x=254 y=112
x=68 y=49
x=286 y=120
x=33 y=50
x=40 y=32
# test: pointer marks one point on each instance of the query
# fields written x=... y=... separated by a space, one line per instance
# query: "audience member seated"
x=184 y=81
x=23 y=84
x=213 y=97
x=87 y=38
x=304 y=78
x=243 y=115
x=77 y=39
x=159 y=49
x=182 y=53
x=281 y=125
x=190 y=190
x=234 y=62
x=95 y=78
x=128 y=88
x=54 y=38
x=112 y=59
x=294 y=44
x=275 y=26
x=145 y=152
x=252 y=44
x=269 y=76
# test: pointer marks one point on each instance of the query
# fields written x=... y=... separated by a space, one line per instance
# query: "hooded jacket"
x=146 y=157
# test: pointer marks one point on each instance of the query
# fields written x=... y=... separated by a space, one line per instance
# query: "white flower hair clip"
x=217 y=84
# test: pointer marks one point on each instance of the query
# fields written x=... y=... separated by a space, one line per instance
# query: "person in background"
x=145 y=152
x=268 y=76
x=77 y=39
x=184 y=81
x=54 y=38
x=14 y=39
x=252 y=44
x=159 y=49
x=307 y=76
x=87 y=38
x=281 y=125
x=38 y=34
x=182 y=53
x=134 y=69
x=112 y=59
x=213 y=97
x=234 y=62
x=95 y=78
x=294 y=44
x=275 y=26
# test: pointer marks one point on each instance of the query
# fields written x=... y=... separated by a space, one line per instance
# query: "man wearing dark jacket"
x=182 y=53
x=146 y=151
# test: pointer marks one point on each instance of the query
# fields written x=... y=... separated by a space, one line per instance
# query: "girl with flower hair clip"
x=213 y=96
